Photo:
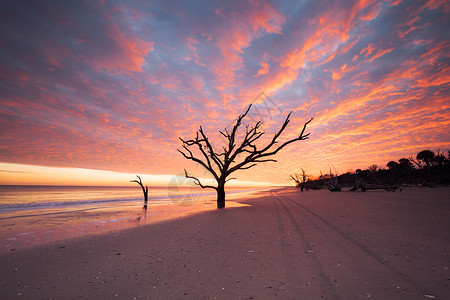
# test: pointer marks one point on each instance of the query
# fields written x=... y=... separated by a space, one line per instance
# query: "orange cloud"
x=264 y=69
x=380 y=53
x=320 y=46
x=260 y=17
x=367 y=50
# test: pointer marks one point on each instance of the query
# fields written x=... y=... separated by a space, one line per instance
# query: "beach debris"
x=359 y=185
x=251 y=251
x=237 y=281
x=430 y=296
x=144 y=190
x=300 y=180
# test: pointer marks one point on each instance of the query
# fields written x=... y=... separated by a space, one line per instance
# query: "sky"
x=92 y=91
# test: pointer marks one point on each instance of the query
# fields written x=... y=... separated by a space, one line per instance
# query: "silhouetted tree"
x=392 y=165
x=426 y=156
x=144 y=190
x=234 y=155
x=393 y=170
x=300 y=179
x=427 y=169
x=439 y=159
x=373 y=168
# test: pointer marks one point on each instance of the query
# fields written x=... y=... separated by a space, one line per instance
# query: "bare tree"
x=234 y=155
x=144 y=190
x=300 y=179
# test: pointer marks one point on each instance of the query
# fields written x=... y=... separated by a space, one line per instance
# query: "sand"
x=285 y=245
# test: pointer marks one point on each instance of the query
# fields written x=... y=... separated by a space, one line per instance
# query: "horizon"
x=101 y=91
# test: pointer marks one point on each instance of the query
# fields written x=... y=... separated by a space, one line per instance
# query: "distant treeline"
x=426 y=169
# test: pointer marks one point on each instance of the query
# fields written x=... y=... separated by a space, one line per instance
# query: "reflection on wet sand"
x=30 y=229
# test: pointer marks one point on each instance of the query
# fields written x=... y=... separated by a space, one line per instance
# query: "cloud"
x=264 y=69
x=111 y=86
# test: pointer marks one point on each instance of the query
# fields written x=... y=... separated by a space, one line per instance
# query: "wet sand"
x=19 y=229
x=287 y=245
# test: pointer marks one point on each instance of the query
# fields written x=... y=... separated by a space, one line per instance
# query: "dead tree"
x=235 y=155
x=300 y=179
x=332 y=181
x=144 y=190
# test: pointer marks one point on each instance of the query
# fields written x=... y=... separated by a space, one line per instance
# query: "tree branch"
x=206 y=165
x=212 y=154
x=198 y=182
x=255 y=155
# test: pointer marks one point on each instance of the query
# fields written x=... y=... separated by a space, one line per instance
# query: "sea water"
x=31 y=215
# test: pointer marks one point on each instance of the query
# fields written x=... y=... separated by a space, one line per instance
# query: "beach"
x=33 y=215
x=283 y=244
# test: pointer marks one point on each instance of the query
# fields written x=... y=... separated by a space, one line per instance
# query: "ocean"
x=31 y=215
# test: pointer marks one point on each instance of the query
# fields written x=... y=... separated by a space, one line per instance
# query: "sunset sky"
x=97 y=91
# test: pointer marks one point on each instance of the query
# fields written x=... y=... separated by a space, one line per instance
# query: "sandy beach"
x=284 y=245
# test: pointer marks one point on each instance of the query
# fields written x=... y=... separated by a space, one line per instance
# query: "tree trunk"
x=145 y=195
x=221 y=196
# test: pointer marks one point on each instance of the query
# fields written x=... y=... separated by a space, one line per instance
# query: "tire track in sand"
x=356 y=256
x=304 y=269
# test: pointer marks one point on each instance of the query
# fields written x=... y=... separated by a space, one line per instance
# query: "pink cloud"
x=244 y=27
x=129 y=55
x=435 y=4
x=380 y=53
x=264 y=69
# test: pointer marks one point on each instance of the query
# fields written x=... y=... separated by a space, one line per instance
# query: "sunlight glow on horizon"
x=17 y=174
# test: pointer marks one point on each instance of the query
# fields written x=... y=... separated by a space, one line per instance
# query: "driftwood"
x=365 y=187
x=331 y=183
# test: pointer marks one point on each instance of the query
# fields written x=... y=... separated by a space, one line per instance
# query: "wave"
x=38 y=208
x=46 y=214
x=99 y=202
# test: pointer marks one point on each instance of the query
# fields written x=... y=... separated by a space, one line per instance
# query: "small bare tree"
x=234 y=155
x=300 y=179
x=144 y=190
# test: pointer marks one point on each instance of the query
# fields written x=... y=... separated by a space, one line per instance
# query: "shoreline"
x=285 y=244
x=41 y=226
